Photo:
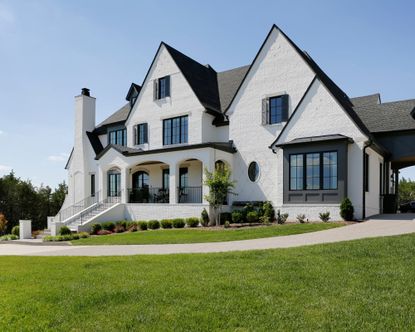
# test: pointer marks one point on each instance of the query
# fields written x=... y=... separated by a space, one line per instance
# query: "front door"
x=114 y=184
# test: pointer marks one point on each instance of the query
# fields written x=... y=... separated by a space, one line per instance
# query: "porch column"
x=173 y=182
x=101 y=184
x=209 y=164
x=125 y=173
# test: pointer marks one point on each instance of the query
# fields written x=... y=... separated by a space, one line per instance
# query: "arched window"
x=141 y=179
x=114 y=183
x=219 y=165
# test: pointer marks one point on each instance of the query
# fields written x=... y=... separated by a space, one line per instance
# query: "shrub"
x=346 y=209
x=16 y=230
x=9 y=237
x=104 y=232
x=108 y=226
x=142 y=225
x=246 y=209
x=226 y=224
x=192 y=222
x=252 y=217
x=48 y=238
x=75 y=236
x=325 y=216
x=132 y=226
x=83 y=235
x=204 y=218
x=64 y=230
x=281 y=218
x=264 y=220
x=166 y=223
x=119 y=229
x=154 y=224
x=237 y=217
x=301 y=218
x=178 y=223
x=225 y=216
x=268 y=211
x=95 y=228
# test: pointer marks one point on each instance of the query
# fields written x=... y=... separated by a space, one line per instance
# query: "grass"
x=199 y=235
x=361 y=285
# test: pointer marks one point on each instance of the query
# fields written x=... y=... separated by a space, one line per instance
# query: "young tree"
x=220 y=185
x=406 y=190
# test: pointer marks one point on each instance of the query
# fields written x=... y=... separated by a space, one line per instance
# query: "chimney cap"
x=85 y=92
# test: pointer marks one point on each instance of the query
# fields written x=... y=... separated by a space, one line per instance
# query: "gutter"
x=367 y=144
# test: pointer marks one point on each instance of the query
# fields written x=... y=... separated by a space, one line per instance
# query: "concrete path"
x=385 y=225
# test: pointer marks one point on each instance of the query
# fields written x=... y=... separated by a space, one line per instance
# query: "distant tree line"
x=20 y=199
x=406 y=190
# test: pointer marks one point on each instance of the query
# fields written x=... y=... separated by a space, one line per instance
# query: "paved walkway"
x=385 y=225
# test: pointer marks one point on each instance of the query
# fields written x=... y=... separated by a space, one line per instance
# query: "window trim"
x=182 y=130
x=166 y=80
x=321 y=171
x=259 y=171
x=137 y=132
x=123 y=136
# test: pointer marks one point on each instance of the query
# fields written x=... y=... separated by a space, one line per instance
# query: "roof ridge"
x=236 y=68
x=398 y=101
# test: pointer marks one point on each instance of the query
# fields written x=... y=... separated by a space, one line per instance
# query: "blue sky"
x=49 y=50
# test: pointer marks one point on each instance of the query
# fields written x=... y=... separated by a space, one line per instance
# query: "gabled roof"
x=134 y=90
x=366 y=100
x=387 y=117
x=119 y=117
x=316 y=139
x=228 y=83
x=95 y=142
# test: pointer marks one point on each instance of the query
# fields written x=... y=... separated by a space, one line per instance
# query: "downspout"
x=366 y=145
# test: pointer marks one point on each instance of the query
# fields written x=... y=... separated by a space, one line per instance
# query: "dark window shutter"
x=284 y=108
x=156 y=89
x=145 y=128
x=265 y=111
x=167 y=86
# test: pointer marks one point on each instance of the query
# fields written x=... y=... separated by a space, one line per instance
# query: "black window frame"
x=93 y=185
x=320 y=172
x=117 y=132
x=166 y=182
x=141 y=133
x=257 y=171
x=183 y=177
x=278 y=109
x=170 y=134
x=163 y=87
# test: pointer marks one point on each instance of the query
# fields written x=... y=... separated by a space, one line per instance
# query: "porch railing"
x=78 y=207
x=189 y=194
x=101 y=206
x=148 y=195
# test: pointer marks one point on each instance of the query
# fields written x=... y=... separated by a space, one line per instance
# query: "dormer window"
x=162 y=88
x=117 y=137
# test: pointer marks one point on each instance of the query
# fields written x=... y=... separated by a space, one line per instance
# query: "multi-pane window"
x=183 y=177
x=330 y=170
x=296 y=172
x=166 y=178
x=162 y=87
x=313 y=171
x=92 y=185
x=276 y=109
x=117 y=137
x=175 y=130
x=114 y=184
x=140 y=134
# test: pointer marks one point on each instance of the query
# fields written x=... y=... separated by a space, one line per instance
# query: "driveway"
x=383 y=225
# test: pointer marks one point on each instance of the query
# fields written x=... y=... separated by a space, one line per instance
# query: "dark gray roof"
x=312 y=139
x=366 y=100
x=228 y=83
x=393 y=116
x=119 y=116
x=95 y=142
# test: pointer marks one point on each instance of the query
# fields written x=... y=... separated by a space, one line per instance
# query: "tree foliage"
x=406 y=190
x=20 y=199
x=220 y=185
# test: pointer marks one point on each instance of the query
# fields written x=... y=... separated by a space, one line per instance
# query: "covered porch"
x=161 y=177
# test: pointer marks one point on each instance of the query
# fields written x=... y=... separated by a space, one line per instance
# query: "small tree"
x=220 y=185
x=346 y=209
x=3 y=224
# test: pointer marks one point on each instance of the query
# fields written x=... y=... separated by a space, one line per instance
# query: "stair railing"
x=77 y=207
x=104 y=204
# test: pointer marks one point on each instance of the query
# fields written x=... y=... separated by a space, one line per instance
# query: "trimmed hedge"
x=178 y=223
x=142 y=225
x=108 y=226
x=64 y=230
x=95 y=228
x=166 y=223
x=154 y=224
x=192 y=222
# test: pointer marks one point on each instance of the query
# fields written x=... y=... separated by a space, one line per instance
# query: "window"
x=318 y=169
x=253 y=171
x=330 y=170
x=162 y=88
x=141 y=134
x=117 y=137
x=114 y=184
x=275 y=109
x=175 y=130
x=312 y=171
x=166 y=178
x=366 y=172
x=92 y=185
x=296 y=172
x=183 y=177
x=140 y=180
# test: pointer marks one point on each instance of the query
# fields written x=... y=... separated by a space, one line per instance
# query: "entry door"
x=114 y=184
x=184 y=177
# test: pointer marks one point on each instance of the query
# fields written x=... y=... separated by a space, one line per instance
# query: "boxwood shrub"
x=252 y=217
x=225 y=216
x=95 y=228
x=64 y=230
x=142 y=225
x=108 y=226
x=154 y=224
x=178 y=223
x=16 y=230
x=166 y=223
x=237 y=217
x=192 y=222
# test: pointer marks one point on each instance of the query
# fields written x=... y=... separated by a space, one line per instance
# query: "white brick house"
x=289 y=134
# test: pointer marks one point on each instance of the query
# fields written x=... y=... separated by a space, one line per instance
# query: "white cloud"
x=6 y=15
x=59 y=158
x=5 y=169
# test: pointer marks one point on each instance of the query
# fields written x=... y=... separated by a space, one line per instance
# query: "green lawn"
x=358 y=286
x=200 y=235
